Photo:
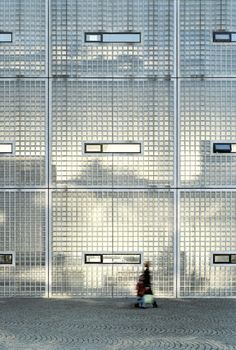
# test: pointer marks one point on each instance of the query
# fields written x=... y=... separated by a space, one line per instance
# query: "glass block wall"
x=73 y=103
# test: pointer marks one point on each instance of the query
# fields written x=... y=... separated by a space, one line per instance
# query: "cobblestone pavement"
x=114 y=324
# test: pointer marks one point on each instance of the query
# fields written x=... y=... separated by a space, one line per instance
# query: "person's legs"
x=141 y=302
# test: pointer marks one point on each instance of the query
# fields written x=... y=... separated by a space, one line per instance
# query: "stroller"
x=144 y=294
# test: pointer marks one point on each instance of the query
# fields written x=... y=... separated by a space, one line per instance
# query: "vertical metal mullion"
x=175 y=243
x=48 y=145
x=112 y=168
x=177 y=142
x=178 y=242
x=31 y=253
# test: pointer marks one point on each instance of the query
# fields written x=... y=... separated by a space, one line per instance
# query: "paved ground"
x=89 y=324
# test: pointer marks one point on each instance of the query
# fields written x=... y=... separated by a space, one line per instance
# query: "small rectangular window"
x=7 y=258
x=121 y=38
x=93 y=148
x=222 y=148
x=121 y=259
x=221 y=259
x=233 y=147
x=224 y=258
x=224 y=37
x=233 y=258
x=221 y=37
x=113 y=37
x=121 y=148
x=93 y=37
x=112 y=148
x=112 y=258
x=233 y=37
x=6 y=148
x=5 y=37
x=93 y=258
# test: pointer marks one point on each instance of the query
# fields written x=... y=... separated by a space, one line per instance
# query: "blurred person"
x=148 y=285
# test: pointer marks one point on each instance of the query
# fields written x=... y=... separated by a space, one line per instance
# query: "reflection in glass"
x=5 y=37
x=121 y=259
x=222 y=37
x=5 y=259
x=224 y=259
x=6 y=148
x=233 y=259
x=121 y=38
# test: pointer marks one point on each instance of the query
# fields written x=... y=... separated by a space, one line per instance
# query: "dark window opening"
x=5 y=37
x=224 y=258
x=112 y=258
x=6 y=148
x=222 y=148
x=224 y=37
x=112 y=37
x=6 y=259
x=112 y=148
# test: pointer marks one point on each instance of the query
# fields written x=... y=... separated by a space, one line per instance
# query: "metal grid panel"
x=23 y=230
x=73 y=57
x=198 y=54
x=111 y=222
x=23 y=121
x=208 y=113
x=81 y=223
x=26 y=55
x=144 y=222
x=142 y=111
x=207 y=224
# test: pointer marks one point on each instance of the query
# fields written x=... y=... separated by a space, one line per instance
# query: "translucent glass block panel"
x=23 y=116
x=23 y=231
x=111 y=222
x=199 y=55
x=82 y=111
x=208 y=224
x=143 y=111
x=208 y=114
x=81 y=223
x=26 y=54
x=144 y=222
x=139 y=111
x=73 y=56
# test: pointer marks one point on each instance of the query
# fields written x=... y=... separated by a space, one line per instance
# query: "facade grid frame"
x=172 y=92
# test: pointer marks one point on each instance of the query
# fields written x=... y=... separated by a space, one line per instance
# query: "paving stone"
x=114 y=324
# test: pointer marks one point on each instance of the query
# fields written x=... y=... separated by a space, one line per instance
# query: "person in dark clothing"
x=147 y=277
x=147 y=281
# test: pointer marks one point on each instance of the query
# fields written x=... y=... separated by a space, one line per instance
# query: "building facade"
x=117 y=146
